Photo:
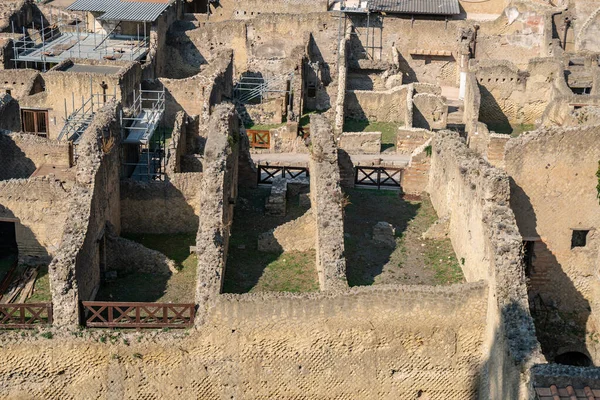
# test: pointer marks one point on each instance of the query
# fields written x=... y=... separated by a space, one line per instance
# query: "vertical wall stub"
x=219 y=186
x=327 y=197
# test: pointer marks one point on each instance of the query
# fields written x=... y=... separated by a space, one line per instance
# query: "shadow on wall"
x=245 y=263
x=500 y=374
x=317 y=73
x=14 y=164
x=561 y=328
x=158 y=207
x=365 y=256
x=408 y=74
x=185 y=59
x=491 y=113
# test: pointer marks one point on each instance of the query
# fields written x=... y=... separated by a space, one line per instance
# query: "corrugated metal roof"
x=119 y=10
x=432 y=7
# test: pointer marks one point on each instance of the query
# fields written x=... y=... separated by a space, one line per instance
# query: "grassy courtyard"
x=413 y=260
x=249 y=270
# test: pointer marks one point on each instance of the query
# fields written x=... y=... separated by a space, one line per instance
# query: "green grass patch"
x=440 y=256
x=146 y=287
x=389 y=130
x=249 y=270
x=41 y=289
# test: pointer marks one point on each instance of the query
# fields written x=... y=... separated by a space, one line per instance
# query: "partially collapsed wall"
x=475 y=197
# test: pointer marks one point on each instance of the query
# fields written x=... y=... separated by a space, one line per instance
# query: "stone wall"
x=38 y=208
x=553 y=188
x=373 y=106
x=170 y=206
x=10 y=118
x=409 y=36
x=61 y=85
x=268 y=113
x=430 y=111
x=326 y=200
x=475 y=198
x=127 y=256
x=198 y=94
x=510 y=95
x=404 y=340
x=218 y=193
x=20 y=82
x=177 y=148
x=360 y=142
x=94 y=202
x=232 y=9
x=415 y=177
x=409 y=139
x=22 y=154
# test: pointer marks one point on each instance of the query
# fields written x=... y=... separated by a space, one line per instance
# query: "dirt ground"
x=249 y=270
x=413 y=260
x=146 y=287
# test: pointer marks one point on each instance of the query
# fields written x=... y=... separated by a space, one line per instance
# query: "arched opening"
x=574 y=358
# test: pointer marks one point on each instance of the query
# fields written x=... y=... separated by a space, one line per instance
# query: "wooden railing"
x=266 y=173
x=259 y=139
x=24 y=316
x=379 y=176
x=101 y=314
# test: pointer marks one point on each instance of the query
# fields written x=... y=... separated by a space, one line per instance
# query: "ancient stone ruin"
x=300 y=199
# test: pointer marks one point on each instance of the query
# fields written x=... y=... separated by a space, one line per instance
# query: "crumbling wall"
x=475 y=198
x=126 y=256
x=21 y=154
x=405 y=40
x=430 y=111
x=198 y=94
x=267 y=113
x=37 y=206
x=326 y=199
x=519 y=32
x=217 y=196
x=20 y=82
x=409 y=139
x=170 y=206
x=510 y=95
x=94 y=202
x=415 y=176
x=373 y=106
x=10 y=118
x=360 y=142
x=554 y=192
x=177 y=147
x=404 y=340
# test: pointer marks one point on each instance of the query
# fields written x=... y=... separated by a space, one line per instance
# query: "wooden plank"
x=28 y=289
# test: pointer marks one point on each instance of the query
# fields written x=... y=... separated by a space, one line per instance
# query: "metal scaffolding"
x=142 y=134
x=58 y=40
x=255 y=88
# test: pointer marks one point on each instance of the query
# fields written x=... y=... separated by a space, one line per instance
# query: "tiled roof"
x=568 y=393
x=432 y=7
